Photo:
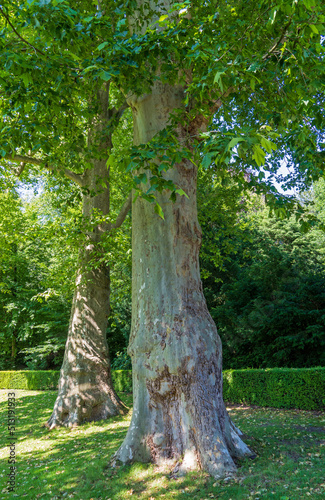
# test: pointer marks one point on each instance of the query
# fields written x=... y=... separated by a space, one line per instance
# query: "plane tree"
x=55 y=121
x=241 y=87
x=229 y=84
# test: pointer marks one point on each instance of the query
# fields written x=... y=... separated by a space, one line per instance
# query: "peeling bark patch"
x=154 y=450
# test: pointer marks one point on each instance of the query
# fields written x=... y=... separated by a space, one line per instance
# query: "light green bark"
x=179 y=414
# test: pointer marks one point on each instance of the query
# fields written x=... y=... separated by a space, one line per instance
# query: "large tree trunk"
x=85 y=387
x=179 y=414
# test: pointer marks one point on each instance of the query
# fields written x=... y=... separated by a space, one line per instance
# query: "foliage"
x=36 y=288
x=224 y=231
x=40 y=238
x=41 y=380
x=122 y=380
x=265 y=287
x=258 y=74
x=73 y=462
x=122 y=360
x=302 y=388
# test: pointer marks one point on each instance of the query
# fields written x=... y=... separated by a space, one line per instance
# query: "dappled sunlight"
x=74 y=462
x=61 y=458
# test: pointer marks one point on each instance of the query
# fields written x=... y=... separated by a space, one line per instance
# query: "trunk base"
x=180 y=422
x=76 y=405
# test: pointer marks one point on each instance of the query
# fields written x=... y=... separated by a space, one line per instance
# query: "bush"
x=122 y=361
x=302 y=388
x=122 y=380
x=29 y=380
x=48 y=380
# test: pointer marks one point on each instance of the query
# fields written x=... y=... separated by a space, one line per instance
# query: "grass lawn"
x=70 y=463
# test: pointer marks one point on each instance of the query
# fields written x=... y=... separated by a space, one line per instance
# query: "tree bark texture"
x=86 y=391
x=179 y=415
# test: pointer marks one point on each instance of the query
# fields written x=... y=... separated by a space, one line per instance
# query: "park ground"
x=74 y=463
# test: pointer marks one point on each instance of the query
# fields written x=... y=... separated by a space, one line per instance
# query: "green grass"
x=70 y=463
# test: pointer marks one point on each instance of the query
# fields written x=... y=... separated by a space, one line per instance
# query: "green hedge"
x=302 y=388
x=48 y=380
x=29 y=380
x=122 y=380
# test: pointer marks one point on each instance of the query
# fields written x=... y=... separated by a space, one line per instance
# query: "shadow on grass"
x=53 y=463
x=72 y=463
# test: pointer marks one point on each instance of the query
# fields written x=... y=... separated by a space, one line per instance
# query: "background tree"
x=266 y=289
x=36 y=286
x=64 y=119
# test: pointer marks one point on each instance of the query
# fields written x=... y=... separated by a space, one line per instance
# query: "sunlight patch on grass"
x=73 y=463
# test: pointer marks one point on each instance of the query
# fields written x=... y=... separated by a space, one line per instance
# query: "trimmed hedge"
x=302 y=388
x=48 y=380
x=122 y=380
x=29 y=380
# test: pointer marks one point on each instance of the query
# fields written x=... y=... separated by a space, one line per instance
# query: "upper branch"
x=77 y=178
x=280 y=40
x=123 y=213
x=19 y=36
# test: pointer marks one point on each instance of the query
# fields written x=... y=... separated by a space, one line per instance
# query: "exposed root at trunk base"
x=76 y=409
x=211 y=455
x=181 y=421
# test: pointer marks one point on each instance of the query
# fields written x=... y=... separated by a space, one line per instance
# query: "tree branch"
x=118 y=113
x=19 y=36
x=26 y=42
x=77 y=178
x=123 y=213
x=276 y=45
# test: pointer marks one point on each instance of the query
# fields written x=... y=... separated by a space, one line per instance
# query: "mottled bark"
x=85 y=387
x=179 y=415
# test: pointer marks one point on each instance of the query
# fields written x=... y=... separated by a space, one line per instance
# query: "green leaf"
x=74 y=56
x=268 y=145
x=217 y=79
x=313 y=28
x=102 y=45
x=163 y=167
x=234 y=142
x=259 y=155
x=163 y=18
x=131 y=166
x=135 y=196
x=207 y=159
x=159 y=211
x=181 y=192
x=105 y=75
x=309 y=4
x=142 y=178
x=27 y=79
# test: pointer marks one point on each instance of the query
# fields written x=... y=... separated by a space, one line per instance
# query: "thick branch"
x=77 y=178
x=123 y=213
x=118 y=113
